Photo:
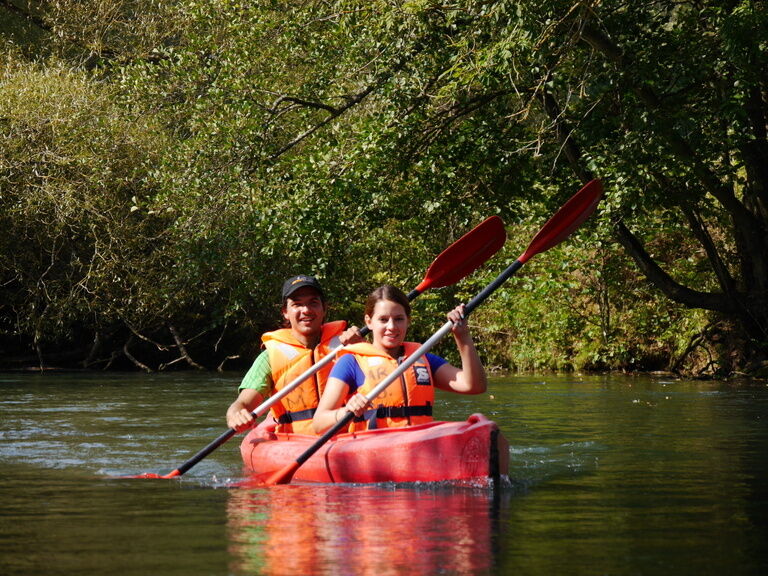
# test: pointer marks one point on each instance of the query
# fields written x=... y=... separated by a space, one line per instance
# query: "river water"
x=609 y=475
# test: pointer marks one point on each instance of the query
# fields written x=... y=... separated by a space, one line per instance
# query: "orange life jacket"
x=405 y=402
x=289 y=358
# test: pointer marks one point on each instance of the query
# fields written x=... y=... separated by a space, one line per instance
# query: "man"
x=289 y=352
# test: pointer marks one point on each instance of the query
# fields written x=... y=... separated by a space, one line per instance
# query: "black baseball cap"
x=295 y=282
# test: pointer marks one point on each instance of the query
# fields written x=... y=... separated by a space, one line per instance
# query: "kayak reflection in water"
x=313 y=530
x=362 y=366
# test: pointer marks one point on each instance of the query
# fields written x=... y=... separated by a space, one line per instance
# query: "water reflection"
x=376 y=530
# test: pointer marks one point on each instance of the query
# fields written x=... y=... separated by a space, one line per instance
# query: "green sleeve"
x=259 y=376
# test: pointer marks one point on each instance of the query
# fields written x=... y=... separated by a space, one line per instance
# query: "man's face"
x=305 y=311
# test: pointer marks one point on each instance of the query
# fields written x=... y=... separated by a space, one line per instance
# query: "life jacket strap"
x=371 y=416
x=299 y=415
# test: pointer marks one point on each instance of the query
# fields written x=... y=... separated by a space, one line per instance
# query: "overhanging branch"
x=664 y=282
x=682 y=149
x=333 y=114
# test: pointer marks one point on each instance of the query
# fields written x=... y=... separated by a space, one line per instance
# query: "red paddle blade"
x=566 y=220
x=283 y=476
x=465 y=255
x=150 y=475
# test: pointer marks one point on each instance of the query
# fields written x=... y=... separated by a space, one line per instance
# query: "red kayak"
x=432 y=452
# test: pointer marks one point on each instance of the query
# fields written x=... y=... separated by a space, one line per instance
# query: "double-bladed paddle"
x=557 y=229
x=457 y=261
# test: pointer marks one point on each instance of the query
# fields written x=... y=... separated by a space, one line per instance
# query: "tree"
x=667 y=100
x=685 y=83
x=359 y=138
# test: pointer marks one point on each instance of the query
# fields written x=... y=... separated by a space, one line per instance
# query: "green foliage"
x=582 y=306
x=72 y=163
x=218 y=147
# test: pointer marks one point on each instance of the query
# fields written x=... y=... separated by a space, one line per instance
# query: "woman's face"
x=388 y=323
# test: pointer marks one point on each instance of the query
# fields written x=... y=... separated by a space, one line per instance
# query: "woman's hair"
x=387 y=292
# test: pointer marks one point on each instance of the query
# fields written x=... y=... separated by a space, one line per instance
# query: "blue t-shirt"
x=348 y=370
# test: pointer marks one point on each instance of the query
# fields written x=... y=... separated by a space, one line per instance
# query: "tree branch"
x=743 y=218
x=182 y=348
x=755 y=153
x=334 y=113
x=724 y=277
x=749 y=227
x=132 y=358
x=302 y=102
x=664 y=282
x=563 y=131
x=631 y=244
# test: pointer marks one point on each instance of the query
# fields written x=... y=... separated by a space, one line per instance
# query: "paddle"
x=557 y=229
x=457 y=261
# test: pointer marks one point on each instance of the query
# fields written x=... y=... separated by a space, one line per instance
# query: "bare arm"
x=239 y=415
x=329 y=409
x=470 y=378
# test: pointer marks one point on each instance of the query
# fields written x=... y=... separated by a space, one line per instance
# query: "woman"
x=362 y=366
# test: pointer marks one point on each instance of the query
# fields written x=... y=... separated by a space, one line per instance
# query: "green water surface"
x=609 y=475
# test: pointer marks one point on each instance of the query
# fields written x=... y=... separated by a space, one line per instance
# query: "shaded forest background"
x=165 y=165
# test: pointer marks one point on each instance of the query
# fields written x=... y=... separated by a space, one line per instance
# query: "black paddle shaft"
x=492 y=287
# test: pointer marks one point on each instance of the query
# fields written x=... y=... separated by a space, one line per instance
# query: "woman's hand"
x=460 y=327
x=357 y=405
x=351 y=336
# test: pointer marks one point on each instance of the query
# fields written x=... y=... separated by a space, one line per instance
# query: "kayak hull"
x=432 y=452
